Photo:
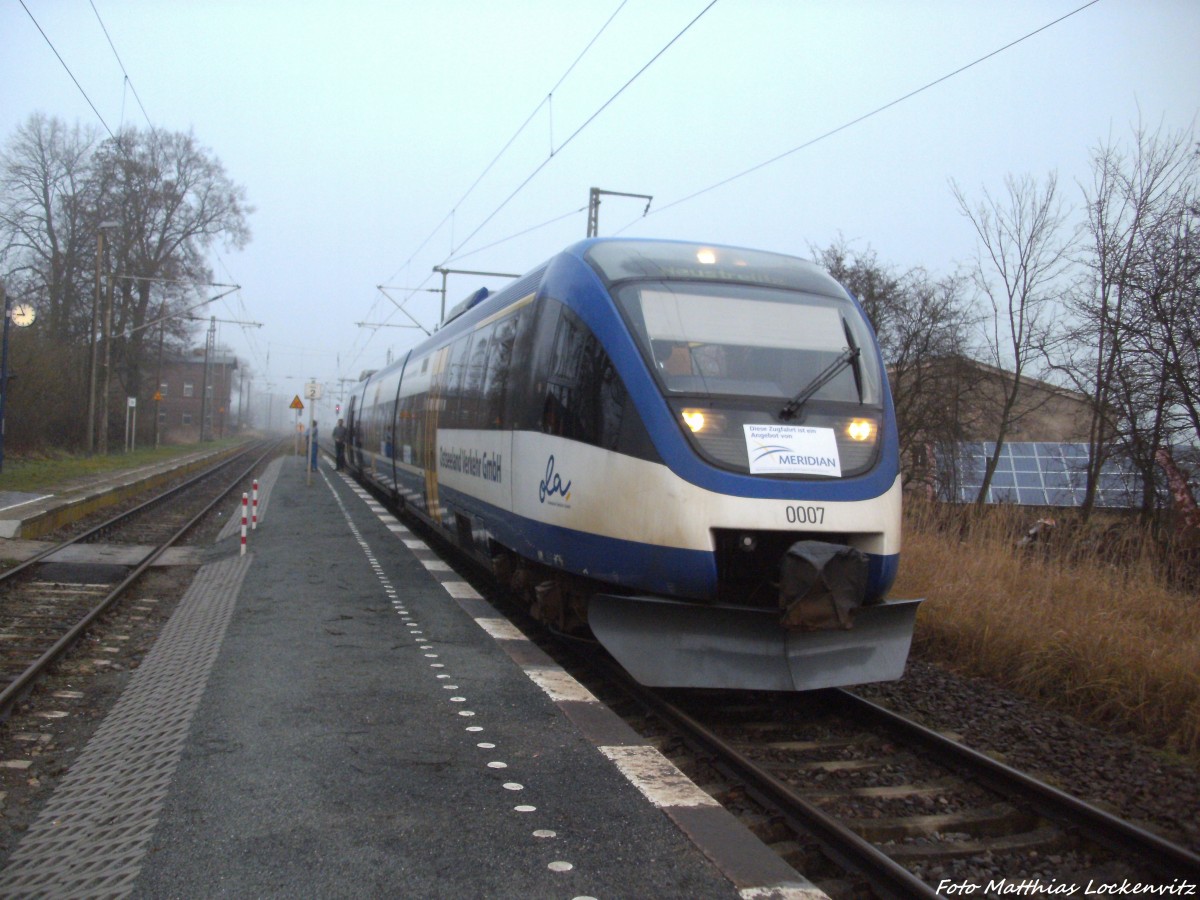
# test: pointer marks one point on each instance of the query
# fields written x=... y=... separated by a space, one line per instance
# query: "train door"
x=353 y=445
x=434 y=404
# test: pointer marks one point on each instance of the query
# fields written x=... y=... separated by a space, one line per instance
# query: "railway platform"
x=338 y=713
x=31 y=515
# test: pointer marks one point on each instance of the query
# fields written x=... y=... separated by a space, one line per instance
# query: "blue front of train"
x=761 y=387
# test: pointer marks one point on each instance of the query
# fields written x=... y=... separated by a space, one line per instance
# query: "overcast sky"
x=358 y=127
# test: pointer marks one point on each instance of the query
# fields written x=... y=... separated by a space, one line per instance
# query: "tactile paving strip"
x=90 y=839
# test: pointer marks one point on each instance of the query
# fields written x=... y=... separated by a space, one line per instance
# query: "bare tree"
x=1021 y=257
x=172 y=200
x=922 y=325
x=1134 y=317
x=47 y=224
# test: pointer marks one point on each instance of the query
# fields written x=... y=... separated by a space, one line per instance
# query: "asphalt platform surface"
x=355 y=721
x=338 y=714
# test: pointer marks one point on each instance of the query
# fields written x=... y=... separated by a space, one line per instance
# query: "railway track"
x=46 y=606
x=866 y=802
x=889 y=802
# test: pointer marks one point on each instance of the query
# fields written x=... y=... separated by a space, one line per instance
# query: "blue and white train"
x=688 y=450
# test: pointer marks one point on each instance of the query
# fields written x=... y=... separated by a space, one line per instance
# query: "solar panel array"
x=1043 y=474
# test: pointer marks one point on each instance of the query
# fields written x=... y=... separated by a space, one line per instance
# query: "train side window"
x=561 y=409
x=538 y=339
x=452 y=380
x=499 y=370
x=470 y=413
x=585 y=397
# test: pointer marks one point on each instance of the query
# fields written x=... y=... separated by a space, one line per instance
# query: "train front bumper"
x=666 y=643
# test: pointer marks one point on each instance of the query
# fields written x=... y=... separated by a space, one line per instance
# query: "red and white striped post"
x=245 y=500
x=254 y=508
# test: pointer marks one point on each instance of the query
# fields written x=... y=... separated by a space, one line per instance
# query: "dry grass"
x=37 y=471
x=1091 y=627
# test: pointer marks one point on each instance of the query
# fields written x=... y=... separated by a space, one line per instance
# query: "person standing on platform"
x=339 y=444
x=312 y=438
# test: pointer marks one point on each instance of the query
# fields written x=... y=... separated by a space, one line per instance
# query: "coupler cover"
x=821 y=585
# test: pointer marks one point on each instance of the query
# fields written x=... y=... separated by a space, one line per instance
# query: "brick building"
x=182 y=409
x=1044 y=458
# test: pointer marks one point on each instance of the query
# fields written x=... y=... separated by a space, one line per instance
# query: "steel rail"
x=1167 y=859
x=17 y=689
x=842 y=844
x=9 y=574
x=855 y=853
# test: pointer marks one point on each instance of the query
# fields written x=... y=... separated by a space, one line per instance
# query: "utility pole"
x=209 y=361
x=593 y=226
x=245 y=385
x=162 y=336
x=209 y=345
x=446 y=272
x=103 y=447
x=92 y=356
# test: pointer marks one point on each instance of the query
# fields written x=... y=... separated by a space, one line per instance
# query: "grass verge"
x=29 y=474
x=1099 y=635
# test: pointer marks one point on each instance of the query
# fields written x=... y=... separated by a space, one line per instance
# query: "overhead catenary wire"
x=67 y=68
x=850 y=124
x=519 y=234
x=117 y=143
x=450 y=215
x=256 y=352
x=510 y=141
x=128 y=80
x=553 y=152
x=603 y=106
x=772 y=160
x=414 y=290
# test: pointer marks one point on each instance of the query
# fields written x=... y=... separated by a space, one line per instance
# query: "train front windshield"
x=747 y=341
x=772 y=342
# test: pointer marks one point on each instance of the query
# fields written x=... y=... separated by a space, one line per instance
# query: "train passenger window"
x=453 y=381
x=573 y=389
x=470 y=415
x=585 y=399
x=499 y=370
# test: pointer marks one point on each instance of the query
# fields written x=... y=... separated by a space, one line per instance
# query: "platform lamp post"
x=20 y=316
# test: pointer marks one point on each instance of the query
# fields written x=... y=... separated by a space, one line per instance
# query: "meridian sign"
x=792 y=450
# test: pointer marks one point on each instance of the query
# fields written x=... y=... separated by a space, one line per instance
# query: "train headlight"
x=860 y=430
x=706 y=256
x=694 y=419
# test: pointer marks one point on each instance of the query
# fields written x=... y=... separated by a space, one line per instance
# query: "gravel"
x=1114 y=772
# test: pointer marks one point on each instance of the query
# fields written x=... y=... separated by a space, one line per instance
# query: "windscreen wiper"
x=845 y=358
x=858 y=375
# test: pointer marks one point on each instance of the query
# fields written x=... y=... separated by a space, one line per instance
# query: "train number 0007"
x=806 y=515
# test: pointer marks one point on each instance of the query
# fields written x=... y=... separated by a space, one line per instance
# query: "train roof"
x=617 y=259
